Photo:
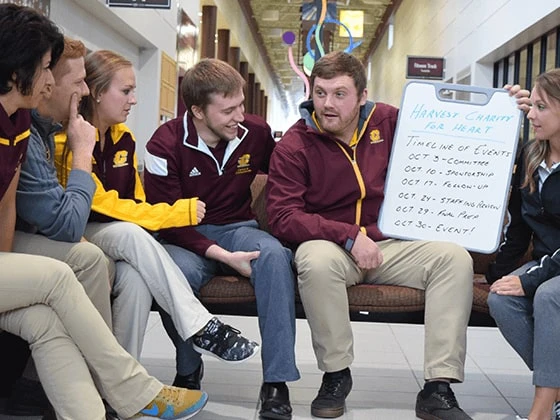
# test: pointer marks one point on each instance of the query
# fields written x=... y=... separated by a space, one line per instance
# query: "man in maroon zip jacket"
x=325 y=189
x=214 y=152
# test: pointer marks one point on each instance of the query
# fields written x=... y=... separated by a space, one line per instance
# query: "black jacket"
x=533 y=217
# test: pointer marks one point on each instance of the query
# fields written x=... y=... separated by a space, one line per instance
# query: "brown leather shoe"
x=275 y=401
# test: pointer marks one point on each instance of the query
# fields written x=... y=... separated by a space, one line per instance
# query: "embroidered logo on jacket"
x=243 y=165
x=194 y=172
x=120 y=159
x=375 y=137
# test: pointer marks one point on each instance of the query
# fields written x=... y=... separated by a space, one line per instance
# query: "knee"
x=499 y=305
x=87 y=256
x=271 y=250
x=457 y=256
x=315 y=266
x=455 y=262
x=92 y=266
x=494 y=302
x=131 y=230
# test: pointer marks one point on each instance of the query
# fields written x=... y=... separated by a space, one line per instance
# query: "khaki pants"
x=41 y=301
x=444 y=270
x=93 y=269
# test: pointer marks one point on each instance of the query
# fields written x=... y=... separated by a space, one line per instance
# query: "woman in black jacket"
x=525 y=301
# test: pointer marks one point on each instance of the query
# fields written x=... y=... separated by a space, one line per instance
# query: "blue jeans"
x=273 y=279
x=532 y=327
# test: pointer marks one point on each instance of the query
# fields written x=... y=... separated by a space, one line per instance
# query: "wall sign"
x=424 y=67
x=451 y=166
x=151 y=4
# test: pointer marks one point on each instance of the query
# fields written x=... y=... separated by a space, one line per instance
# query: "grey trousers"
x=41 y=301
x=532 y=327
x=444 y=270
x=145 y=270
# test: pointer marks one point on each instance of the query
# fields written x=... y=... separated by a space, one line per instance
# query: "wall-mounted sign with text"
x=424 y=67
x=151 y=4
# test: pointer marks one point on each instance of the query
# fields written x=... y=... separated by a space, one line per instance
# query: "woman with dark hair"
x=525 y=301
x=22 y=54
x=40 y=298
x=25 y=38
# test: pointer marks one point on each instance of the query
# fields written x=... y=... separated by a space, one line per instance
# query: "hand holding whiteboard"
x=451 y=166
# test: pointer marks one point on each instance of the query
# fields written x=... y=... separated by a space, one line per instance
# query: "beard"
x=220 y=133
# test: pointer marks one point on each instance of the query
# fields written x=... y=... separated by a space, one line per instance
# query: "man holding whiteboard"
x=325 y=190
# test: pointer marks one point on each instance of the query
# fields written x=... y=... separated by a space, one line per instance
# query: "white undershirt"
x=545 y=171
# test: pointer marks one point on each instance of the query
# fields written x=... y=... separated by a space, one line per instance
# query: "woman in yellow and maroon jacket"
x=119 y=194
x=144 y=268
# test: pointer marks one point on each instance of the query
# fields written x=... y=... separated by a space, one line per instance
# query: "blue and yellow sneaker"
x=174 y=403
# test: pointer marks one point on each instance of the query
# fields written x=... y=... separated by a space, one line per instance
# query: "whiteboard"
x=451 y=165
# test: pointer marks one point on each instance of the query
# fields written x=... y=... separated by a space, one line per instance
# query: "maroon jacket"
x=320 y=188
x=14 y=136
x=178 y=165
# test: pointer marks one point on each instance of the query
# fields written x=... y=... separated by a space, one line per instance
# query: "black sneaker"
x=192 y=380
x=329 y=402
x=556 y=410
x=439 y=405
x=224 y=342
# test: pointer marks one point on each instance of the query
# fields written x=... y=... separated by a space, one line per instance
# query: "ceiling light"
x=271 y=15
x=354 y=21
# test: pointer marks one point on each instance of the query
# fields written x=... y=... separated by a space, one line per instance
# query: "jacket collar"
x=307 y=111
x=192 y=140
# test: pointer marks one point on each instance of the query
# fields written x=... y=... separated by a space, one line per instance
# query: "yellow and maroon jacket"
x=14 y=135
x=322 y=188
x=120 y=194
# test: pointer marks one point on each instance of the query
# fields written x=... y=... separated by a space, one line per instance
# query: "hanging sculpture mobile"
x=311 y=55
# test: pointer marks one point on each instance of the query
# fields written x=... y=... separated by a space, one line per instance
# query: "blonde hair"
x=101 y=66
x=548 y=85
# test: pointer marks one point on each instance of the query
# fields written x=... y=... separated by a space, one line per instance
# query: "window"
x=525 y=64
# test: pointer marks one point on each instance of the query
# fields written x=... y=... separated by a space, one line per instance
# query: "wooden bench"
x=235 y=295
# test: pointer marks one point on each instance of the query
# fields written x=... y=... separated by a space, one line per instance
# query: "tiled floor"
x=387 y=373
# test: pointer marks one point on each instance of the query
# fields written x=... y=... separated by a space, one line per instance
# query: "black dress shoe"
x=275 y=401
x=191 y=381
